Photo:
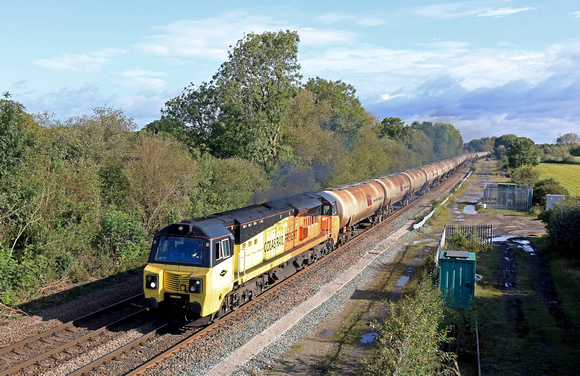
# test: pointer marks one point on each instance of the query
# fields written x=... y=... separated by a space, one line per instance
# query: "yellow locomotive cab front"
x=187 y=269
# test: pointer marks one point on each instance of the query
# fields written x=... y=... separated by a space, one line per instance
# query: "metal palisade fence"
x=508 y=196
x=474 y=234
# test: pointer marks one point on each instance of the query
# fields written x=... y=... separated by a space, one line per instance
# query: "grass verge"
x=518 y=332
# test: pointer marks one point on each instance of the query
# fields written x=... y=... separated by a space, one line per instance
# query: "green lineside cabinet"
x=457 y=277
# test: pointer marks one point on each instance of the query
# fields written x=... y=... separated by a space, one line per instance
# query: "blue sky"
x=487 y=67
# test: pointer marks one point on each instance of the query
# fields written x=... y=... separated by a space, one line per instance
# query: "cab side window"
x=222 y=249
x=218 y=253
x=226 y=248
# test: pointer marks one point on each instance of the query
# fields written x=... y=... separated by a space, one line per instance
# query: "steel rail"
x=114 y=354
x=22 y=364
x=68 y=345
x=187 y=341
x=163 y=355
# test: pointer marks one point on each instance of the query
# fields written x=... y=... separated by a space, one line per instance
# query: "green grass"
x=566 y=174
x=540 y=349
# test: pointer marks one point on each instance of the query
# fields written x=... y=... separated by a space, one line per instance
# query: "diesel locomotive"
x=203 y=268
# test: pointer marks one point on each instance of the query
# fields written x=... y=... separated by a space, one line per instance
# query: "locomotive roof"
x=246 y=215
x=299 y=202
x=213 y=228
x=210 y=227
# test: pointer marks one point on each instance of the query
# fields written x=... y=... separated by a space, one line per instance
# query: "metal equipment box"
x=552 y=200
x=457 y=277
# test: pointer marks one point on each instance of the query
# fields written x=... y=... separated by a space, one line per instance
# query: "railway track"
x=161 y=341
x=39 y=353
x=150 y=364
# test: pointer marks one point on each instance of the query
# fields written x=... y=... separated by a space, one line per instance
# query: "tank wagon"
x=201 y=269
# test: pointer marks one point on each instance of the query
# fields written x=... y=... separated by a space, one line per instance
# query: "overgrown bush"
x=465 y=242
x=121 y=235
x=544 y=187
x=20 y=277
x=526 y=175
x=563 y=225
x=410 y=337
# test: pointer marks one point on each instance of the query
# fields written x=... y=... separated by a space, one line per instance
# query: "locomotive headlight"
x=195 y=285
x=152 y=281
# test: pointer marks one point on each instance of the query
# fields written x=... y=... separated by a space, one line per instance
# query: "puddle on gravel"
x=422 y=241
x=526 y=246
x=469 y=209
x=502 y=238
x=402 y=281
x=327 y=333
x=369 y=337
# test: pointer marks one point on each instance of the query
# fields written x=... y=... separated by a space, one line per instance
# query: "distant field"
x=566 y=174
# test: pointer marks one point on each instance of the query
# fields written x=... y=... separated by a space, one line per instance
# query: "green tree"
x=554 y=152
x=226 y=184
x=192 y=117
x=105 y=139
x=502 y=144
x=176 y=129
x=423 y=147
x=254 y=86
x=240 y=112
x=522 y=151
x=447 y=141
x=16 y=138
x=395 y=129
x=160 y=177
x=18 y=202
x=347 y=117
x=569 y=139
x=481 y=144
x=367 y=158
x=315 y=148
x=526 y=175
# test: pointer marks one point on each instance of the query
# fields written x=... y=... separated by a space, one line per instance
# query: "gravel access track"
x=206 y=353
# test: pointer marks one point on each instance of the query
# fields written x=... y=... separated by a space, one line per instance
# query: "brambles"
x=410 y=337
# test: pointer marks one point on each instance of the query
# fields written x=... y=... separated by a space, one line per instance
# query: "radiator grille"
x=173 y=281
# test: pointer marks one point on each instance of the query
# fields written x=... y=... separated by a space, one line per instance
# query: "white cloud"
x=207 y=38
x=80 y=63
x=331 y=18
x=211 y=38
x=540 y=105
x=376 y=70
x=311 y=37
x=370 y=22
x=388 y=97
x=576 y=14
x=145 y=106
x=447 y=11
x=466 y=9
x=142 y=79
x=500 y=12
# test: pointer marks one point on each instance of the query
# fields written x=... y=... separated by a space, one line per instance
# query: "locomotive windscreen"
x=180 y=250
